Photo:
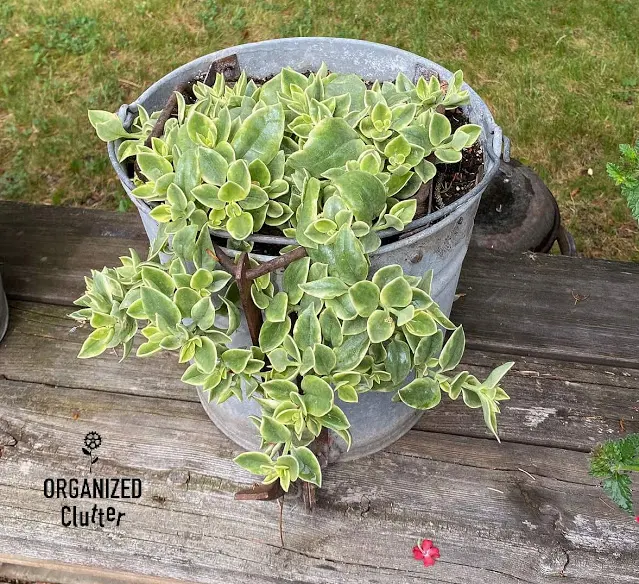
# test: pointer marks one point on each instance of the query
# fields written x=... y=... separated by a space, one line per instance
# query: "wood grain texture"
x=522 y=304
x=45 y=251
x=551 y=306
x=552 y=403
x=492 y=521
x=525 y=511
x=33 y=571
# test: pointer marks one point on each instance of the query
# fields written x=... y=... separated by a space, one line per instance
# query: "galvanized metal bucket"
x=438 y=241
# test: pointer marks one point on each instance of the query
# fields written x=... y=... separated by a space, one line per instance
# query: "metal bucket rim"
x=492 y=148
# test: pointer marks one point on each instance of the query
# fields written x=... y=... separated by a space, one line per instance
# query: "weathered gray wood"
x=42 y=344
x=521 y=304
x=551 y=306
x=443 y=480
x=47 y=251
x=52 y=573
x=492 y=521
x=556 y=404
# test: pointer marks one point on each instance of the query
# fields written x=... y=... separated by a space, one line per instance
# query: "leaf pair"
x=301 y=463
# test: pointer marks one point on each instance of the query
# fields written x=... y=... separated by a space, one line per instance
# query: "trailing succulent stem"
x=330 y=163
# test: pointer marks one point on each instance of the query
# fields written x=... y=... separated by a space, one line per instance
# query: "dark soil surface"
x=455 y=180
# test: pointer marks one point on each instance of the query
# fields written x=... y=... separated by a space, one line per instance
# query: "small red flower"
x=426 y=552
x=637 y=518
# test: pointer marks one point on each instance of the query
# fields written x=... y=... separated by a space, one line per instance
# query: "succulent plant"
x=330 y=163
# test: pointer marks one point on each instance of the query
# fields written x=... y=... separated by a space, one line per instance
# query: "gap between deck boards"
x=568 y=405
x=524 y=304
x=530 y=506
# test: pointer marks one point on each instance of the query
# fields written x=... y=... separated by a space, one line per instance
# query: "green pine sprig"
x=613 y=461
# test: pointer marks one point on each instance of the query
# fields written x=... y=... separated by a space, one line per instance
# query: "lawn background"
x=561 y=77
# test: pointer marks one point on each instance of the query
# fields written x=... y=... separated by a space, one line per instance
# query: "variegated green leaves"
x=371 y=336
x=287 y=468
x=217 y=170
x=331 y=144
x=105 y=304
x=108 y=126
x=291 y=419
x=238 y=196
x=330 y=163
x=368 y=149
x=358 y=323
x=431 y=94
x=178 y=313
x=362 y=193
x=447 y=147
x=432 y=364
x=260 y=135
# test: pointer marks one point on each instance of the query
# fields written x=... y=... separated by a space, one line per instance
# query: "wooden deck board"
x=551 y=404
x=468 y=494
x=523 y=304
x=524 y=511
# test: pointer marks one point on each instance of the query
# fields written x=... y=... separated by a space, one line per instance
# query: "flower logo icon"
x=92 y=442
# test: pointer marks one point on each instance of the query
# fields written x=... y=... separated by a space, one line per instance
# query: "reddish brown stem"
x=225 y=260
x=308 y=495
x=423 y=197
x=167 y=112
x=252 y=313
x=158 y=129
x=244 y=275
x=276 y=263
x=239 y=272
x=260 y=492
x=253 y=273
x=228 y=66
x=281 y=501
x=320 y=447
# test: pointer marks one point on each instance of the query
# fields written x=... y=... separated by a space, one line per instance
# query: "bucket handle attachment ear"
x=501 y=144
x=506 y=151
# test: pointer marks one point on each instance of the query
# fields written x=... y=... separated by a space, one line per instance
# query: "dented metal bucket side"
x=438 y=241
x=375 y=420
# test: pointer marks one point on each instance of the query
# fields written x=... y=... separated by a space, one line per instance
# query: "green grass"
x=562 y=79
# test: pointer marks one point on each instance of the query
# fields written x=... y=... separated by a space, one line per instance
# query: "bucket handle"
x=126 y=112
